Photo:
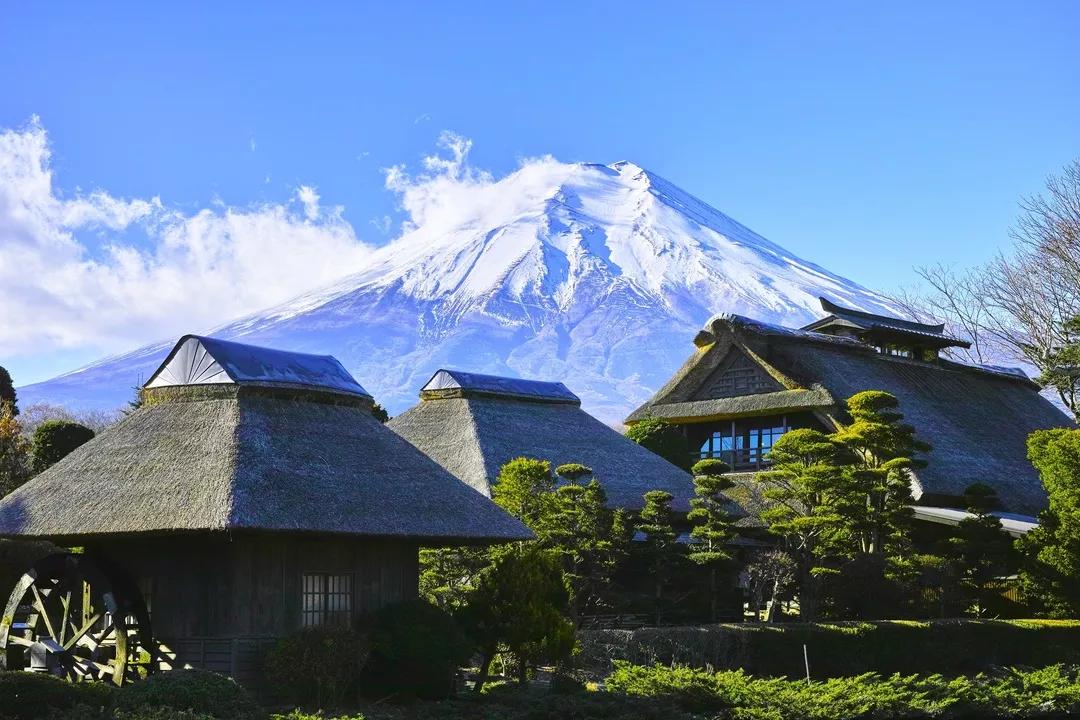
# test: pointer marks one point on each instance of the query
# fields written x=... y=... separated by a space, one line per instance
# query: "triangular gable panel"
x=737 y=375
x=191 y=364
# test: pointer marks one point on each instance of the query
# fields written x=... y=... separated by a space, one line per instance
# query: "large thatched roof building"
x=748 y=382
x=472 y=424
x=251 y=494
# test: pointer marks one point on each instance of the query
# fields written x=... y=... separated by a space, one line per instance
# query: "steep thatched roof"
x=476 y=429
x=976 y=418
x=253 y=455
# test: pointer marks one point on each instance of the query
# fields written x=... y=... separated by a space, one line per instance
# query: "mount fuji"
x=595 y=275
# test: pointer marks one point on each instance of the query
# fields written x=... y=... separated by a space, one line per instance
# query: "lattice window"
x=742 y=376
x=327 y=600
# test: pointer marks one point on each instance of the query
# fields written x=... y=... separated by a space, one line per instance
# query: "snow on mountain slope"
x=595 y=275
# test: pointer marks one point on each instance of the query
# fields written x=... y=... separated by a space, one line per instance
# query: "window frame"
x=335 y=594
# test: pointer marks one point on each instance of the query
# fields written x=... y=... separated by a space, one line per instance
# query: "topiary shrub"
x=200 y=691
x=416 y=649
x=663 y=438
x=26 y=696
x=54 y=439
x=317 y=665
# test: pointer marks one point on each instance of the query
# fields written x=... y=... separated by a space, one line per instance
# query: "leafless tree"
x=1020 y=304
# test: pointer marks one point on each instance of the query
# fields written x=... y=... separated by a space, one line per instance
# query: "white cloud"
x=153 y=271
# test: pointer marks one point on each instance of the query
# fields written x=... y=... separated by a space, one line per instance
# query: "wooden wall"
x=248 y=585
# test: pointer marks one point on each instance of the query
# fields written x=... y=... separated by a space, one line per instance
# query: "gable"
x=736 y=375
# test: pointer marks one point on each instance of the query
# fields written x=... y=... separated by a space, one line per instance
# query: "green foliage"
x=416 y=649
x=14 y=452
x=316 y=665
x=200 y=691
x=157 y=713
x=379 y=413
x=26 y=696
x=979 y=551
x=1060 y=363
x=54 y=439
x=8 y=395
x=1051 y=570
x=803 y=488
x=840 y=649
x=1013 y=693
x=523 y=489
x=662 y=554
x=519 y=605
x=573 y=472
x=587 y=539
x=711 y=527
x=663 y=438
x=448 y=574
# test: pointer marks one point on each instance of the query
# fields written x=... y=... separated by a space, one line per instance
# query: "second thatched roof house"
x=472 y=424
x=748 y=382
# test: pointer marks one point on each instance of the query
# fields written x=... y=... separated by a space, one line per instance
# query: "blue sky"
x=863 y=136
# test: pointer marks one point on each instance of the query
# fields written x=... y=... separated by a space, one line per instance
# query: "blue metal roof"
x=498 y=385
x=198 y=360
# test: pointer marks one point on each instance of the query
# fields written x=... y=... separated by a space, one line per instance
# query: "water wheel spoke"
x=39 y=603
x=78 y=636
x=65 y=601
x=19 y=640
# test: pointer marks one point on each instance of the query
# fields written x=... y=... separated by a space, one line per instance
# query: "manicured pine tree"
x=881 y=452
x=447 y=575
x=53 y=440
x=710 y=524
x=662 y=553
x=1051 y=566
x=588 y=538
x=7 y=391
x=802 y=490
x=524 y=489
x=980 y=550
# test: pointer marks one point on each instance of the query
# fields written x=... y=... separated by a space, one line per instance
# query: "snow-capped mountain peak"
x=595 y=275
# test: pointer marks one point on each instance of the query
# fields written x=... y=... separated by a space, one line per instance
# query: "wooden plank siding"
x=218 y=602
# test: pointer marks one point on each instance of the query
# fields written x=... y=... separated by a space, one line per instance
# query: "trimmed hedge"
x=1049 y=692
x=26 y=696
x=842 y=649
x=197 y=691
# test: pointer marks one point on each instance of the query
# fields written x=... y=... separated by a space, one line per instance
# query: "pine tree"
x=1061 y=366
x=7 y=391
x=14 y=451
x=588 y=539
x=980 y=551
x=379 y=413
x=802 y=489
x=519 y=605
x=711 y=525
x=1051 y=568
x=881 y=452
x=661 y=552
x=524 y=489
x=447 y=575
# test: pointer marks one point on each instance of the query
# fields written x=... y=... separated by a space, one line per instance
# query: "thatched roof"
x=477 y=429
x=849 y=318
x=976 y=418
x=253 y=455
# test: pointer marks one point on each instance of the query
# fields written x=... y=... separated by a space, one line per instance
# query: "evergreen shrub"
x=26 y=696
x=199 y=691
x=416 y=650
x=840 y=649
x=316 y=665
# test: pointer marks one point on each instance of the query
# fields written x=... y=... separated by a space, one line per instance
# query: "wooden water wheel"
x=77 y=618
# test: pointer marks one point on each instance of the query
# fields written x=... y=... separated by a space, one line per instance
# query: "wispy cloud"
x=100 y=272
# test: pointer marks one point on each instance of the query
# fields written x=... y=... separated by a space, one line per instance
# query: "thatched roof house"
x=236 y=438
x=472 y=424
x=747 y=382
